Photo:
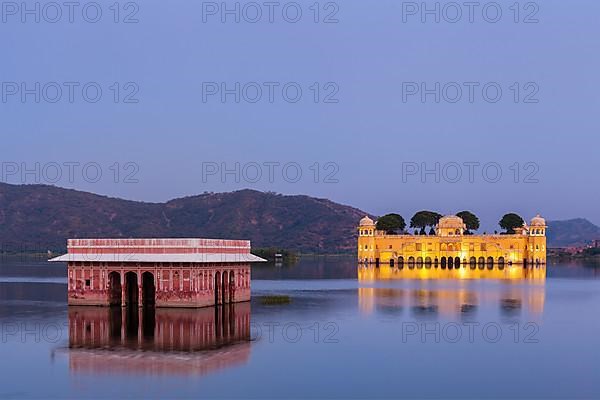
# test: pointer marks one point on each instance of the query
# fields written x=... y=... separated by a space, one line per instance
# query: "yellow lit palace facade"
x=451 y=248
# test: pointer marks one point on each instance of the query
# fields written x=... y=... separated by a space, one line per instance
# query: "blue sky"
x=365 y=63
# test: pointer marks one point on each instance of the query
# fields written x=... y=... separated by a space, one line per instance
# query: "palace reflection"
x=451 y=293
x=158 y=341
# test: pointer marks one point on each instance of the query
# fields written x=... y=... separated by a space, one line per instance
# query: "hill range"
x=42 y=217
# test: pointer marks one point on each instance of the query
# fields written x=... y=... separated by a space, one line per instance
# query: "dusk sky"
x=366 y=127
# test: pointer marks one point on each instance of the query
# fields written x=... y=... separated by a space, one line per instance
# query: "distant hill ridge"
x=571 y=232
x=41 y=217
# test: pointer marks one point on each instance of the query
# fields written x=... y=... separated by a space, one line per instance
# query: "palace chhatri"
x=450 y=247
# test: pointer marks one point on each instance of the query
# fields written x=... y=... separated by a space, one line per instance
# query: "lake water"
x=349 y=332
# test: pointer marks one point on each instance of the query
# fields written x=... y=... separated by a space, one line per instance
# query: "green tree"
x=511 y=221
x=390 y=223
x=423 y=219
x=470 y=220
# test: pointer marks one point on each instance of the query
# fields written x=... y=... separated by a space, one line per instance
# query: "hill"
x=41 y=217
x=572 y=232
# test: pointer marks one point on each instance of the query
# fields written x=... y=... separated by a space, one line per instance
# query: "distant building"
x=158 y=272
x=450 y=248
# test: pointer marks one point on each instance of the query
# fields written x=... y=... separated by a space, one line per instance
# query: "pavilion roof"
x=163 y=258
x=158 y=250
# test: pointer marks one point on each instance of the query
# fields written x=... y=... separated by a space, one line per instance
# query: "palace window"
x=366 y=247
x=419 y=247
x=390 y=247
x=482 y=247
x=471 y=246
x=87 y=282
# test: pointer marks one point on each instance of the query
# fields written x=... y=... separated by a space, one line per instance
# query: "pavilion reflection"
x=158 y=341
x=517 y=289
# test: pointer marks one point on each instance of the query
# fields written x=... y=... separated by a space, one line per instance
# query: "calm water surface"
x=348 y=332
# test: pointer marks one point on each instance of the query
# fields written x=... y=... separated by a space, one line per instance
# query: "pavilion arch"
x=490 y=262
x=420 y=262
x=217 y=287
x=443 y=262
x=131 y=289
x=231 y=288
x=450 y=247
x=457 y=262
x=450 y=263
x=400 y=262
x=472 y=262
x=225 y=287
x=148 y=289
x=114 y=288
x=436 y=263
x=411 y=262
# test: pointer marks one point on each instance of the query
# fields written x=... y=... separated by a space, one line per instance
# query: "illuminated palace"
x=158 y=272
x=451 y=248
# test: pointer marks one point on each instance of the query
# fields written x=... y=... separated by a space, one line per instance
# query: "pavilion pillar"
x=123 y=290
x=139 y=284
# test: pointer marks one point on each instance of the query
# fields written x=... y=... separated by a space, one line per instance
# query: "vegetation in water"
x=275 y=300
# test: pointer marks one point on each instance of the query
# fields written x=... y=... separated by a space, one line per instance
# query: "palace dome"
x=537 y=221
x=366 y=221
x=451 y=221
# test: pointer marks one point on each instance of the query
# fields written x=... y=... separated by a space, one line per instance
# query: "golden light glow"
x=452 y=301
x=514 y=273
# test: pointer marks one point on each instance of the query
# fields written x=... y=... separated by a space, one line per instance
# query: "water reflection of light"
x=161 y=341
x=525 y=290
x=511 y=272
